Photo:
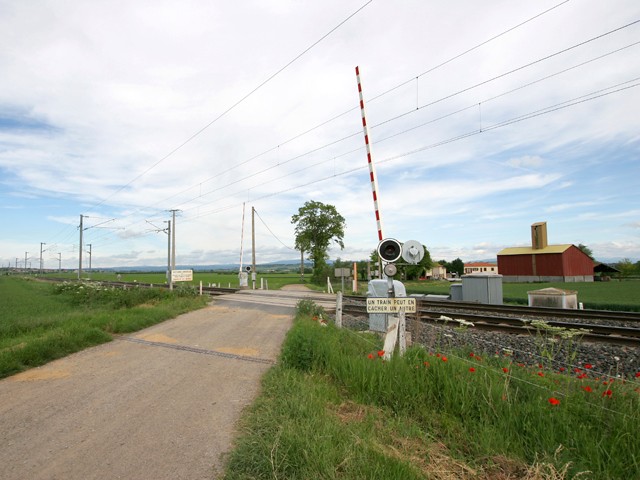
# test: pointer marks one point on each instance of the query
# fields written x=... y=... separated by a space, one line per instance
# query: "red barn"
x=544 y=263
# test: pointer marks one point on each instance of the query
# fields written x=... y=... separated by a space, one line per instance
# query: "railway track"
x=619 y=328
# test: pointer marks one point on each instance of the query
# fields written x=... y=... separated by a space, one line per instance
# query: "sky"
x=485 y=117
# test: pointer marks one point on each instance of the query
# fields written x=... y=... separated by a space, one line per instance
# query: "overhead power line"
x=271 y=231
x=411 y=111
x=336 y=117
x=550 y=109
x=246 y=96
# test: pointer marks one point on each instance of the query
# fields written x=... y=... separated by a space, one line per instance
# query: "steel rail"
x=515 y=325
x=523 y=310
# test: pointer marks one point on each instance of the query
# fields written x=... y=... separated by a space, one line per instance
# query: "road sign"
x=391 y=305
x=181 y=275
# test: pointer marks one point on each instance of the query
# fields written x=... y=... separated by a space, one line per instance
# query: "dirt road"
x=159 y=404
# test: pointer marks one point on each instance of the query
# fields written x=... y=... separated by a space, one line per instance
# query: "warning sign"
x=391 y=305
x=181 y=275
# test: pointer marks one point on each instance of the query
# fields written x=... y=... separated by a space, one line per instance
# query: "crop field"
x=40 y=322
x=613 y=295
x=224 y=280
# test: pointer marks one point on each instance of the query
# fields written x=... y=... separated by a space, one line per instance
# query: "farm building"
x=436 y=272
x=545 y=263
x=480 y=267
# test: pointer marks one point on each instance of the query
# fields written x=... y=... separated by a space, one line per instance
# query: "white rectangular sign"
x=181 y=275
x=391 y=305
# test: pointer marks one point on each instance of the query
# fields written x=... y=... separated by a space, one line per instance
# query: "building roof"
x=530 y=251
x=480 y=264
x=604 y=268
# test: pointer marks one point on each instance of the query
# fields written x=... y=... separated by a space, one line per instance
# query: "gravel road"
x=158 y=404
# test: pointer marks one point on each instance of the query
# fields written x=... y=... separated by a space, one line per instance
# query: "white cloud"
x=526 y=162
x=121 y=86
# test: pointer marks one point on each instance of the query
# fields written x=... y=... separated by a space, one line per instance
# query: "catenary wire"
x=238 y=102
x=547 y=110
x=271 y=232
x=381 y=140
x=477 y=46
x=470 y=88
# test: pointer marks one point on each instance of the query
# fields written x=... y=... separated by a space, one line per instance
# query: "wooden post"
x=354 y=287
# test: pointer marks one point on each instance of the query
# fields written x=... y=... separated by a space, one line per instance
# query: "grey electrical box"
x=456 y=292
x=379 y=322
x=482 y=288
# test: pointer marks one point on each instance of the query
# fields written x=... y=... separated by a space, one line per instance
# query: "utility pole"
x=25 y=260
x=59 y=261
x=89 y=252
x=168 y=230
x=253 y=248
x=41 y=264
x=16 y=263
x=173 y=247
x=80 y=250
x=302 y=265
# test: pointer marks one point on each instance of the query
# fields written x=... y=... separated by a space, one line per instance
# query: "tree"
x=412 y=272
x=455 y=266
x=317 y=225
x=586 y=250
x=626 y=267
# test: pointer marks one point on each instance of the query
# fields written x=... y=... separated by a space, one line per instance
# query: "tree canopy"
x=456 y=266
x=586 y=250
x=317 y=225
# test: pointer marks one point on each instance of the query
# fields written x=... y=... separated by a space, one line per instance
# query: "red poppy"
x=444 y=359
x=521 y=364
x=505 y=370
x=637 y=374
x=381 y=353
x=554 y=401
x=588 y=366
x=426 y=364
x=587 y=389
x=471 y=369
x=540 y=374
x=607 y=393
x=562 y=369
x=577 y=370
x=540 y=365
x=582 y=375
x=370 y=356
x=472 y=354
x=438 y=355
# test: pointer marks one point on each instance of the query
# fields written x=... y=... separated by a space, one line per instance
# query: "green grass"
x=274 y=281
x=332 y=408
x=614 y=295
x=40 y=322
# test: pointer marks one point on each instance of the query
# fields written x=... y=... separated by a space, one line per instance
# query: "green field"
x=613 y=295
x=274 y=281
x=40 y=321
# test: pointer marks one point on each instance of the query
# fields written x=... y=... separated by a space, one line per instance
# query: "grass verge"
x=332 y=408
x=40 y=322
